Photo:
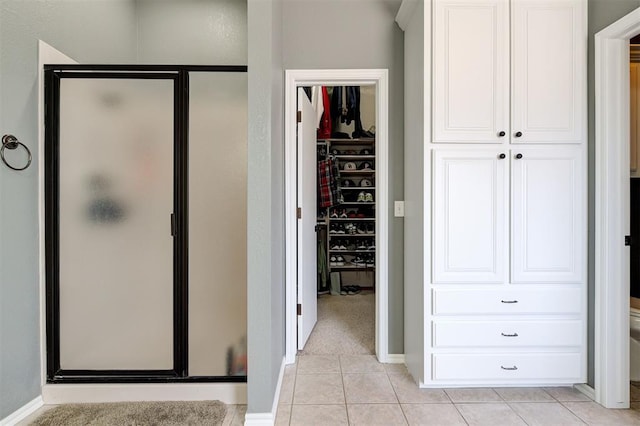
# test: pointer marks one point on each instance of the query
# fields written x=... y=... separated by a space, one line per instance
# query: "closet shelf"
x=358 y=203
x=352 y=251
x=354 y=219
x=334 y=235
x=353 y=267
x=356 y=172
x=361 y=188
x=357 y=157
x=348 y=141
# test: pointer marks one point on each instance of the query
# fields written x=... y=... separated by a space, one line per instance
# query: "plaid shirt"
x=328 y=176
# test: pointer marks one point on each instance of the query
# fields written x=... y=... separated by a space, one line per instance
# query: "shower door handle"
x=173 y=225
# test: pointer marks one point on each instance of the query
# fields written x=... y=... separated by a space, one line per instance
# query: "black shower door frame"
x=180 y=226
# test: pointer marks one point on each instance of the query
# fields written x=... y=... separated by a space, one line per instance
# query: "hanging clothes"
x=317 y=103
x=323 y=266
x=324 y=131
x=328 y=189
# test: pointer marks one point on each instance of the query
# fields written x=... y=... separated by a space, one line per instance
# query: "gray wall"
x=602 y=13
x=360 y=34
x=212 y=32
x=265 y=206
x=414 y=101
x=96 y=31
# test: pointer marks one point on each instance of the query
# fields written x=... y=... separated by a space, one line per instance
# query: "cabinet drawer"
x=545 y=367
x=451 y=334
x=507 y=301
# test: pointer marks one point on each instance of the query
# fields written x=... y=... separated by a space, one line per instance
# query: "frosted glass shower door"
x=116 y=198
x=217 y=223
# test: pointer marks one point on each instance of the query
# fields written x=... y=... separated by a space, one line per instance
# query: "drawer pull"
x=509 y=368
x=509 y=301
x=510 y=335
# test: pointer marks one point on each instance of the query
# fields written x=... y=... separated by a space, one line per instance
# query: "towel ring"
x=11 y=142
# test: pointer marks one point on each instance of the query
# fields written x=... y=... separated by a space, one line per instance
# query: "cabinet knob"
x=509 y=368
x=518 y=156
x=502 y=134
x=518 y=134
x=502 y=156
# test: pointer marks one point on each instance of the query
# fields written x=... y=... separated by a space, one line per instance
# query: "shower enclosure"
x=145 y=177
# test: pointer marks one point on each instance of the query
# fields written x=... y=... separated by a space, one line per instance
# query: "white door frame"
x=612 y=211
x=347 y=77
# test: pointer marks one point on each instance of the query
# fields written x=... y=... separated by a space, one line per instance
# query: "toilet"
x=634 y=344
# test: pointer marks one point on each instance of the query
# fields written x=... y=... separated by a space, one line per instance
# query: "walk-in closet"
x=346 y=219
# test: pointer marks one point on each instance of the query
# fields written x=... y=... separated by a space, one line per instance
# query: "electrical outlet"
x=398 y=208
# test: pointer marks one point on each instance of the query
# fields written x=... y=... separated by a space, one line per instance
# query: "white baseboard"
x=23 y=412
x=229 y=393
x=587 y=390
x=395 y=359
x=259 y=419
x=268 y=419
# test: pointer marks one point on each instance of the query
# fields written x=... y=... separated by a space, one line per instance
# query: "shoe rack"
x=351 y=226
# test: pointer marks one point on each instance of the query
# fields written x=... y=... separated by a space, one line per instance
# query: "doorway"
x=612 y=211
x=134 y=160
x=295 y=79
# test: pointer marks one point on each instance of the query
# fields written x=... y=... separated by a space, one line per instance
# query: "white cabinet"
x=471 y=206
x=471 y=72
x=486 y=92
x=470 y=216
x=501 y=277
x=548 y=220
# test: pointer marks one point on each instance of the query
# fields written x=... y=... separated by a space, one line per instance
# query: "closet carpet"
x=346 y=326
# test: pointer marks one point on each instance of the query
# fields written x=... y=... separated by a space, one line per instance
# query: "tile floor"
x=357 y=390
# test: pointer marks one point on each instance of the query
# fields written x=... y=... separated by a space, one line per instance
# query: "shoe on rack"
x=371 y=228
x=335 y=245
x=365 y=151
x=339 y=260
x=362 y=245
x=333 y=261
x=350 y=166
x=372 y=245
x=365 y=165
x=340 y=228
x=358 y=260
x=351 y=214
x=370 y=261
x=333 y=229
x=334 y=214
x=343 y=214
x=342 y=246
x=361 y=197
x=366 y=183
x=348 y=183
x=368 y=197
x=361 y=229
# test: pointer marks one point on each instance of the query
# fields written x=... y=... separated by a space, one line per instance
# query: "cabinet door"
x=469 y=216
x=548 y=71
x=471 y=70
x=548 y=223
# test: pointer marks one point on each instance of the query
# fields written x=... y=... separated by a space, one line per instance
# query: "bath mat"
x=163 y=413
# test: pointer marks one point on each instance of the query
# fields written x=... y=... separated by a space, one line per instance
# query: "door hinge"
x=628 y=240
x=299 y=309
x=173 y=225
x=299 y=116
x=299 y=212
